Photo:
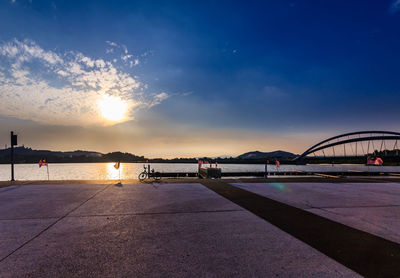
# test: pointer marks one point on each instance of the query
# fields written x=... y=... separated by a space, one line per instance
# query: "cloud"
x=126 y=58
x=395 y=7
x=64 y=88
x=111 y=43
x=125 y=49
x=134 y=63
x=158 y=98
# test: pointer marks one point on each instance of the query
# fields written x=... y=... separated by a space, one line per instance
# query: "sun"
x=113 y=108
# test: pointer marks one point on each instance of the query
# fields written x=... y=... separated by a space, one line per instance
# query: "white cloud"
x=64 y=88
x=126 y=57
x=158 y=98
x=148 y=53
x=111 y=43
x=395 y=7
x=125 y=49
x=134 y=63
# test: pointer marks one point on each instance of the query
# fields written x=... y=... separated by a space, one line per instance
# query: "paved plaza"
x=181 y=229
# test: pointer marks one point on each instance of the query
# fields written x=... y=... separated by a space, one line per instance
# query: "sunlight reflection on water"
x=111 y=172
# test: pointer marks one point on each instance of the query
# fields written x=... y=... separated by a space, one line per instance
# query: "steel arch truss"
x=351 y=137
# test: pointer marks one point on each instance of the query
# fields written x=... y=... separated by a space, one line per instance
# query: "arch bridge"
x=360 y=143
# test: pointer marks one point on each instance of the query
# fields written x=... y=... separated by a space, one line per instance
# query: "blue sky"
x=198 y=77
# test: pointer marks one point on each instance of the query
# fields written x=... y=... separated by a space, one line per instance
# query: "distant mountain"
x=267 y=155
x=28 y=155
x=22 y=151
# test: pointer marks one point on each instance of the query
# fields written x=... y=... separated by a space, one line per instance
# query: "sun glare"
x=113 y=108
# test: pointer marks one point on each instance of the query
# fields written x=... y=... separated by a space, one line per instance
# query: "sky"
x=196 y=78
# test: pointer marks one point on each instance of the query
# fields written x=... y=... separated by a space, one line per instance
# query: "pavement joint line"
x=55 y=222
x=382 y=180
x=377 y=206
x=127 y=214
x=6 y=189
x=360 y=218
x=29 y=218
x=364 y=253
x=155 y=213
x=332 y=212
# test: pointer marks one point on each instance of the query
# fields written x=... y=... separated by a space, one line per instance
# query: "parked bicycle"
x=148 y=175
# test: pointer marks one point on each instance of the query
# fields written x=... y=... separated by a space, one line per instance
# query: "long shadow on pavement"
x=367 y=254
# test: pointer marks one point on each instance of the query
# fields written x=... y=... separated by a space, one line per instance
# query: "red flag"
x=116 y=166
x=378 y=161
x=278 y=165
x=42 y=162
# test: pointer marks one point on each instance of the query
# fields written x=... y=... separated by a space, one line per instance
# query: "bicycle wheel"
x=157 y=176
x=142 y=176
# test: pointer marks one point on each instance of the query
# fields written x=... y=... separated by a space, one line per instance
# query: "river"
x=104 y=171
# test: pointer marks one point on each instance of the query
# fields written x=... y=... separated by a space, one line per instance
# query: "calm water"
x=102 y=171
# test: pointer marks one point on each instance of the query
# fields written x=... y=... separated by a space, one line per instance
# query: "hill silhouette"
x=267 y=155
x=23 y=154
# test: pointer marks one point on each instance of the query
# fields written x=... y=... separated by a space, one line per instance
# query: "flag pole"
x=48 y=177
x=118 y=166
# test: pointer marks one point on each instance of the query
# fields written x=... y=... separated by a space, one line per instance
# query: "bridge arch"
x=351 y=137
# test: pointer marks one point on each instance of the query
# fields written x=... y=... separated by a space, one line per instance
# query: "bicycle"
x=147 y=175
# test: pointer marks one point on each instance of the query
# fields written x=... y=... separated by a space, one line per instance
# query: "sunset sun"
x=113 y=108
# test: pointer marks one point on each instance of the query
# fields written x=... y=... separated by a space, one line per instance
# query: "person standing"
x=266 y=169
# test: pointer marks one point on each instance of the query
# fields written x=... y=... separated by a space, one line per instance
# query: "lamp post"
x=13 y=142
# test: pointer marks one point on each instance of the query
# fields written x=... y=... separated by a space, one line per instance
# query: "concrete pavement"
x=150 y=230
x=370 y=207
